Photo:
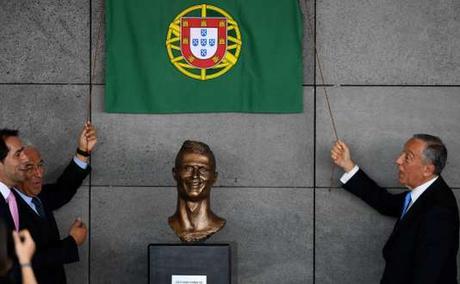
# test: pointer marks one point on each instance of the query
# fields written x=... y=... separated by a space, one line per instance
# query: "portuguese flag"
x=176 y=56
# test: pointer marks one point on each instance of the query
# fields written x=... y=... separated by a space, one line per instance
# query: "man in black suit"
x=36 y=205
x=424 y=243
x=12 y=163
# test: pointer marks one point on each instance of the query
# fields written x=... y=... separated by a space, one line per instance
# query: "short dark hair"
x=435 y=151
x=196 y=147
x=4 y=134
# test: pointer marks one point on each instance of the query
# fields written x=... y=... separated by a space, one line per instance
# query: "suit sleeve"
x=435 y=244
x=62 y=252
x=374 y=195
x=58 y=194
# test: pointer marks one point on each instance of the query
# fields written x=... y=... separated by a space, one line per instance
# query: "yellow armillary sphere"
x=203 y=42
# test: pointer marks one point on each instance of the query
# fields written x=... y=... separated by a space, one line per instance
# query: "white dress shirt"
x=27 y=199
x=5 y=190
x=416 y=192
x=80 y=163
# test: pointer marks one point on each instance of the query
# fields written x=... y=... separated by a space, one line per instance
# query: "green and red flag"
x=177 y=56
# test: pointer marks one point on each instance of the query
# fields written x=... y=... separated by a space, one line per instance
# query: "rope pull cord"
x=323 y=87
x=321 y=74
x=94 y=56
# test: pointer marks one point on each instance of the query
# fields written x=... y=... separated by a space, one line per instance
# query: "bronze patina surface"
x=195 y=173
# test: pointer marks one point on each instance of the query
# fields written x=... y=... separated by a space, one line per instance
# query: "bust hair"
x=195 y=147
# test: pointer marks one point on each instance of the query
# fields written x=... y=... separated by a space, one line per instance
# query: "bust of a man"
x=195 y=173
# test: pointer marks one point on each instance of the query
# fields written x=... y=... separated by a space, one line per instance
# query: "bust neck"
x=194 y=221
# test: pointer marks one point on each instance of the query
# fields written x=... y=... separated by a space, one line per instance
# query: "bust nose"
x=195 y=172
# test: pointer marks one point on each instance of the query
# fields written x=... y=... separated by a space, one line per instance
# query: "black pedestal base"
x=209 y=262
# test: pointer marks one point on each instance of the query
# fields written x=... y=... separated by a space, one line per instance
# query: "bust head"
x=194 y=171
x=195 y=174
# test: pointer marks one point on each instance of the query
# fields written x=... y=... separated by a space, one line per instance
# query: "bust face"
x=194 y=175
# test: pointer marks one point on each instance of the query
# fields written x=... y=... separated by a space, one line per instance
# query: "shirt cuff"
x=80 y=163
x=348 y=175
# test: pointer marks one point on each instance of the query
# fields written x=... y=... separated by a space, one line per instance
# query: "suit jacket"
x=14 y=275
x=423 y=245
x=52 y=252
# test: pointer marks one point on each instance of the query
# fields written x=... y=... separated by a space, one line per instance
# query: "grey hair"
x=435 y=151
x=27 y=143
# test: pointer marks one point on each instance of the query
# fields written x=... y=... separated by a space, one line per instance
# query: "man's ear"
x=216 y=174
x=429 y=170
x=174 y=173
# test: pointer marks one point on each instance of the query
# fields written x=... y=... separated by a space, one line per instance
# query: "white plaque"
x=188 y=279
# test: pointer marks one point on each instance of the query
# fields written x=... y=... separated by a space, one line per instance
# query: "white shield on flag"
x=203 y=43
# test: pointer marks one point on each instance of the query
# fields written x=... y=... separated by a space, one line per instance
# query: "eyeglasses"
x=34 y=167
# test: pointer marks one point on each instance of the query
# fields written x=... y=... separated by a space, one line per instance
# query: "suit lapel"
x=5 y=213
x=25 y=212
x=416 y=209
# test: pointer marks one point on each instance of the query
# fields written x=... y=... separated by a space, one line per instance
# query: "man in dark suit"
x=423 y=245
x=36 y=204
x=12 y=162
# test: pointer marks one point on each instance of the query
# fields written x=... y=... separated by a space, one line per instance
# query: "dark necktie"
x=39 y=206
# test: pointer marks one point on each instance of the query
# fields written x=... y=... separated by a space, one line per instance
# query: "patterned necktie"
x=407 y=201
x=39 y=206
x=12 y=204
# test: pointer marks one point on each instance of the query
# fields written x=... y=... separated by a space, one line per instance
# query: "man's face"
x=34 y=171
x=413 y=170
x=195 y=176
x=12 y=167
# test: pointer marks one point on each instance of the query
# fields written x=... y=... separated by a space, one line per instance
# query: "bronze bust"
x=195 y=173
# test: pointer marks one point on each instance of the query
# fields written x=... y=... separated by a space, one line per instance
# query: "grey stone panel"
x=78 y=207
x=350 y=236
x=44 y=41
x=50 y=117
x=376 y=122
x=389 y=42
x=99 y=43
x=251 y=149
x=270 y=231
x=308 y=54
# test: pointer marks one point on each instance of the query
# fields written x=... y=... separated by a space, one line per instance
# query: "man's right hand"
x=78 y=231
x=87 y=141
x=340 y=154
